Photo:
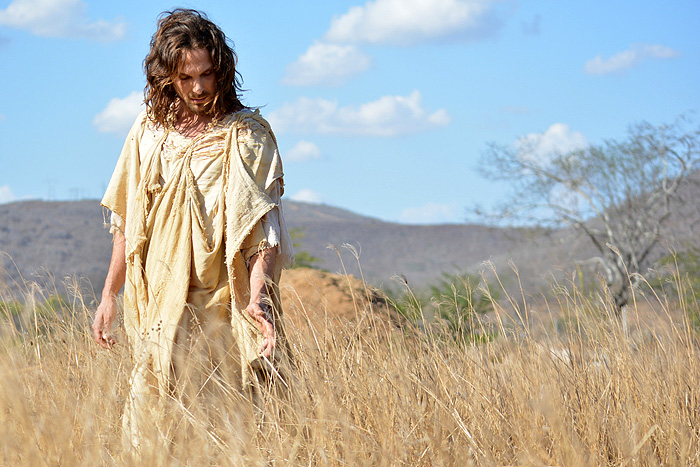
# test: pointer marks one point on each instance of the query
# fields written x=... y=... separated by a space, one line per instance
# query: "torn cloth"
x=186 y=238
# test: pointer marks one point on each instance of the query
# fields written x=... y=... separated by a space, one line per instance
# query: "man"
x=199 y=236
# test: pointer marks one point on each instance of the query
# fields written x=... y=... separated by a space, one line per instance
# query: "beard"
x=201 y=109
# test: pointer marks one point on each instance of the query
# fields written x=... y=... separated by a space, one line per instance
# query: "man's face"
x=195 y=81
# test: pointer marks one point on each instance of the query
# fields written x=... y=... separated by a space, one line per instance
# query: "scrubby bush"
x=450 y=307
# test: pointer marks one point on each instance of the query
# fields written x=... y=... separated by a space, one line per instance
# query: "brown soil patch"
x=310 y=295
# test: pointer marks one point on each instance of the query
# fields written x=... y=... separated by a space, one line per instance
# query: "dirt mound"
x=310 y=295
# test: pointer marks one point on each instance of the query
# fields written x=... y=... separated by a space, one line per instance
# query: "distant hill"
x=64 y=238
x=40 y=239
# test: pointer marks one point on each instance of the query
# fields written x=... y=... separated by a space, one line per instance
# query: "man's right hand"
x=102 y=325
x=107 y=311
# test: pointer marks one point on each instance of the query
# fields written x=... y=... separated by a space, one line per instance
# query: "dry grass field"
x=566 y=385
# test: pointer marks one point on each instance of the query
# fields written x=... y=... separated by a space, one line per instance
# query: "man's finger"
x=97 y=331
x=100 y=340
x=267 y=347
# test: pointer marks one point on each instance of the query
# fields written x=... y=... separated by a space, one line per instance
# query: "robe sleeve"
x=266 y=233
x=116 y=223
x=256 y=160
x=258 y=149
x=125 y=177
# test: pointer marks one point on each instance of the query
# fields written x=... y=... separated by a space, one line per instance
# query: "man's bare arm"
x=261 y=268
x=107 y=311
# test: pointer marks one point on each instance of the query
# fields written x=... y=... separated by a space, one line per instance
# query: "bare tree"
x=619 y=194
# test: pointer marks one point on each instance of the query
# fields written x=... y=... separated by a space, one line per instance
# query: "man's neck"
x=190 y=124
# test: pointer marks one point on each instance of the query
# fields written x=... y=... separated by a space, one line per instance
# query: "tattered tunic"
x=193 y=211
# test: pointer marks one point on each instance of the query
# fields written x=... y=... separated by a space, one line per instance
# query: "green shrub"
x=458 y=300
x=9 y=309
x=450 y=308
x=302 y=259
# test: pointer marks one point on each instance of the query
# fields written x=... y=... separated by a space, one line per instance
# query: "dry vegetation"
x=571 y=388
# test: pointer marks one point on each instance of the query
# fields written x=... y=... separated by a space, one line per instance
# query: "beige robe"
x=186 y=245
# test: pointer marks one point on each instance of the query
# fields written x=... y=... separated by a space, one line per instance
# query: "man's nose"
x=197 y=87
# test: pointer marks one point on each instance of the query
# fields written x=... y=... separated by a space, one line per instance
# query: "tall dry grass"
x=566 y=385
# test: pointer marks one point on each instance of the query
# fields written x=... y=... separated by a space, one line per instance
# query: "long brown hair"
x=180 y=30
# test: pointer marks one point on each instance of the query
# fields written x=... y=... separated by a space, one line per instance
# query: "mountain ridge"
x=45 y=241
x=64 y=238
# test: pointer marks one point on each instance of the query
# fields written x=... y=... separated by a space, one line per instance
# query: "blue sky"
x=382 y=108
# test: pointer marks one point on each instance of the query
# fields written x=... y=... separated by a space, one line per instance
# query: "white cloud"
x=303 y=151
x=308 y=196
x=387 y=116
x=558 y=139
x=628 y=59
x=119 y=114
x=59 y=18
x=6 y=195
x=327 y=64
x=432 y=213
x=406 y=22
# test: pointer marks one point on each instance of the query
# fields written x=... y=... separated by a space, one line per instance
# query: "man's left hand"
x=263 y=318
